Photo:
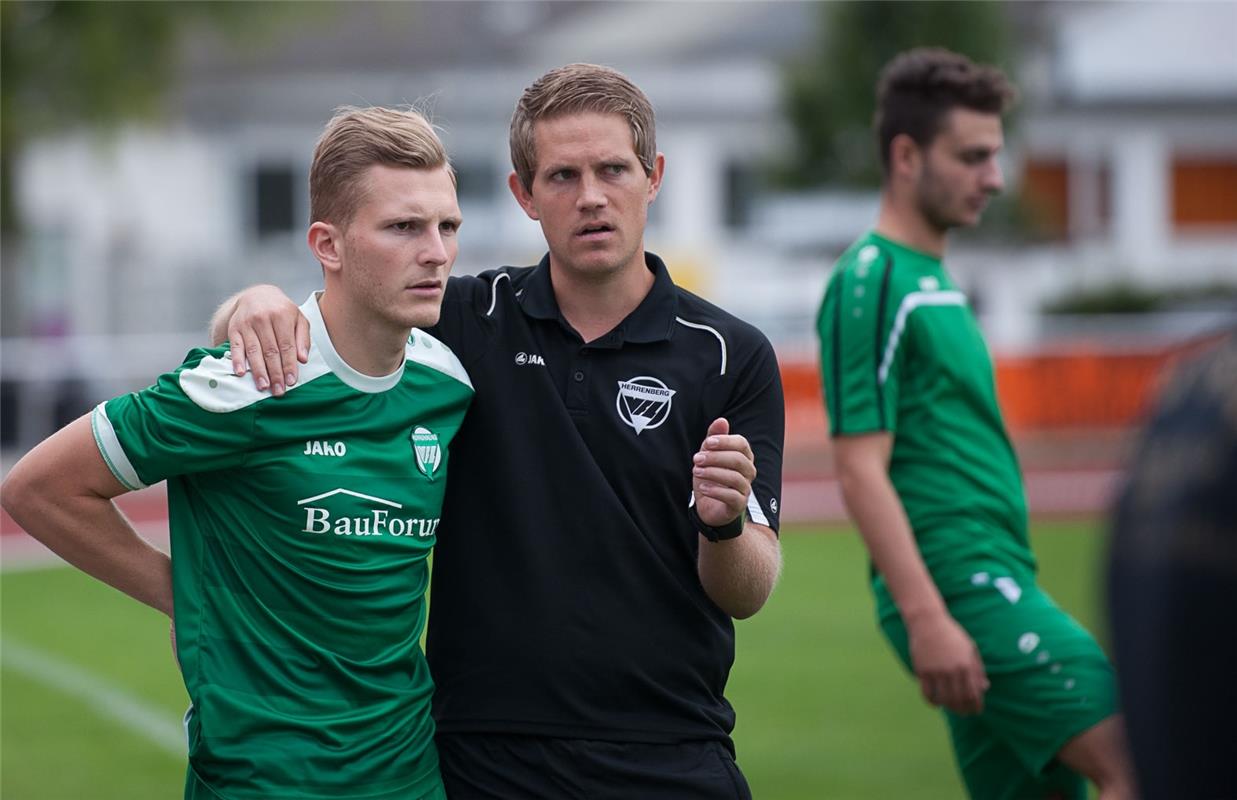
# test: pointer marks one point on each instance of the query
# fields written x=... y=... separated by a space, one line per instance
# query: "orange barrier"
x=1086 y=386
x=805 y=408
x=1079 y=389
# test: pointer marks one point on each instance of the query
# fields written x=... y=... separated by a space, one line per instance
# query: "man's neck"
x=362 y=341
x=901 y=222
x=594 y=306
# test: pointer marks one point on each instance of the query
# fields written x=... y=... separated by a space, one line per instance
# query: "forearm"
x=91 y=534
x=219 y=321
x=739 y=574
x=60 y=493
x=878 y=513
x=943 y=655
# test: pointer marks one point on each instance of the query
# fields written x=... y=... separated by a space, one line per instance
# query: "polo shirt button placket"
x=577 y=389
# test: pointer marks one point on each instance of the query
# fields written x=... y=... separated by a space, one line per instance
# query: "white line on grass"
x=110 y=701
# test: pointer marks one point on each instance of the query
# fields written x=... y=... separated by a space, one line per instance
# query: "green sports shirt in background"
x=901 y=352
x=300 y=528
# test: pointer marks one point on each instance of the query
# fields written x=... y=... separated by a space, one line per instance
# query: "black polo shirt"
x=565 y=598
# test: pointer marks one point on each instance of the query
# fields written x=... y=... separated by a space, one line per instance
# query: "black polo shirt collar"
x=651 y=321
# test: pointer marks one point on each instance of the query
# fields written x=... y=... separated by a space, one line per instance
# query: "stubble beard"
x=932 y=201
x=601 y=270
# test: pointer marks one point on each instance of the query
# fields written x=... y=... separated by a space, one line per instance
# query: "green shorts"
x=1050 y=681
x=432 y=789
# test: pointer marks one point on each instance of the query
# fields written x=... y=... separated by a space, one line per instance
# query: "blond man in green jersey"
x=299 y=528
x=927 y=469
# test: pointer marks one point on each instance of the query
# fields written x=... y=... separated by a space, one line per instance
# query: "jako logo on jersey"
x=319 y=448
x=427 y=450
x=378 y=522
x=643 y=402
x=529 y=358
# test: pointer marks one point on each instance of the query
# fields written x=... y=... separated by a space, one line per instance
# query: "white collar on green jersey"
x=320 y=346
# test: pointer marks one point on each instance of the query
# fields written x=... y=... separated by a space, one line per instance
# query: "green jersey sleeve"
x=197 y=418
x=860 y=378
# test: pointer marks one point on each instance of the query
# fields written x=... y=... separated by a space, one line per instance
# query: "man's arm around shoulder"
x=944 y=657
x=267 y=334
x=61 y=494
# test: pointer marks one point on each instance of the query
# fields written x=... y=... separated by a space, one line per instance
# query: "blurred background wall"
x=155 y=160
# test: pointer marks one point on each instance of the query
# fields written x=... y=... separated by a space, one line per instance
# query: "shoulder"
x=207 y=379
x=485 y=288
x=429 y=352
x=870 y=280
x=737 y=341
x=868 y=261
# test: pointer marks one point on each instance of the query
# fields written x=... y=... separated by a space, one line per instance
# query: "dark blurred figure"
x=1172 y=587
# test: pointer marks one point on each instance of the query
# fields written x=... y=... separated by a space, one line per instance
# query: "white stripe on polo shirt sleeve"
x=754 y=510
x=721 y=340
x=494 y=291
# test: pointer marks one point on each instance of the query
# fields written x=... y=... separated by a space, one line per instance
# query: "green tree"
x=830 y=93
x=65 y=64
x=68 y=65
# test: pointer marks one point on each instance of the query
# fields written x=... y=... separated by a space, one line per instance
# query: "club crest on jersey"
x=427 y=450
x=643 y=402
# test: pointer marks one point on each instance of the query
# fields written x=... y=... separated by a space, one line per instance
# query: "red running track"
x=804 y=501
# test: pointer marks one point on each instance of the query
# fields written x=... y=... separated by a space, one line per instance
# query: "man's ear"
x=522 y=196
x=905 y=157
x=659 y=170
x=325 y=242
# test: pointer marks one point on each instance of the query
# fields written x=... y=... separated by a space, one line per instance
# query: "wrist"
x=924 y=616
x=717 y=533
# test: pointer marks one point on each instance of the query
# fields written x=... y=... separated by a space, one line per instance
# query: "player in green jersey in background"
x=927 y=469
x=299 y=528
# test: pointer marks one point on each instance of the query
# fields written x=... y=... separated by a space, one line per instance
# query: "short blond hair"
x=575 y=89
x=356 y=139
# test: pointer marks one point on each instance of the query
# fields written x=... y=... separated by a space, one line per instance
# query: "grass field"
x=88 y=685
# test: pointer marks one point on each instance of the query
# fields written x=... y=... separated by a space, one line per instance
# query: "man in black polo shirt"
x=604 y=516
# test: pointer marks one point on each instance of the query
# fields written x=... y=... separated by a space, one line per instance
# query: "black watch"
x=730 y=530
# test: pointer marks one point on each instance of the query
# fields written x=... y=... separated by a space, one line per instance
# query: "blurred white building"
x=1129 y=151
x=1127 y=143
x=149 y=229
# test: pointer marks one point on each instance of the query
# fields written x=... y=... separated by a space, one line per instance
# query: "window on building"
x=1204 y=192
x=1064 y=199
x=477 y=181
x=1045 y=193
x=742 y=182
x=274 y=194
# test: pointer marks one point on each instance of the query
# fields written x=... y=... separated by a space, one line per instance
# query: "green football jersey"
x=300 y=529
x=901 y=352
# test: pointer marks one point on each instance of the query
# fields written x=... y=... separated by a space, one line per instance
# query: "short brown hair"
x=356 y=139
x=919 y=87
x=574 y=89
